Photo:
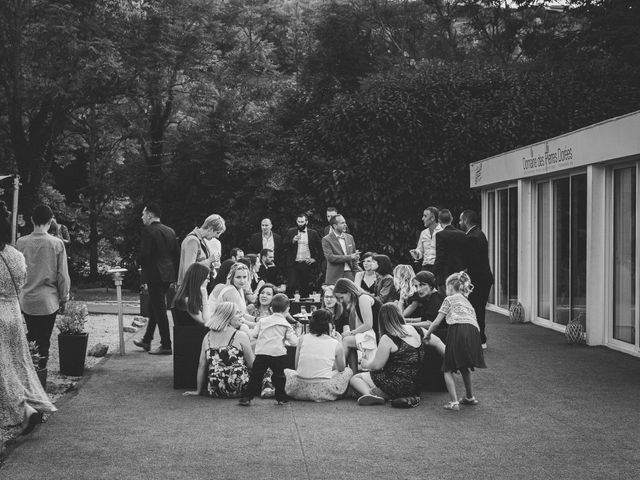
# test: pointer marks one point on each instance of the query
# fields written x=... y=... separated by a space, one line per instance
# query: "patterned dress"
x=227 y=371
x=400 y=377
x=19 y=383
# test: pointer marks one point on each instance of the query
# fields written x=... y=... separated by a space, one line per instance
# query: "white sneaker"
x=484 y=346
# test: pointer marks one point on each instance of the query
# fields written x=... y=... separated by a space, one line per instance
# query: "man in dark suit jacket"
x=159 y=258
x=449 y=249
x=478 y=268
x=304 y=256
x=267 y=238
x=339 y=250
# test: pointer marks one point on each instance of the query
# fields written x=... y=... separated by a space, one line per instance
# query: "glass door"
x=624 y=286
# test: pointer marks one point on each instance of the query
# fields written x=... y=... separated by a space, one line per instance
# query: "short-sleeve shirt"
x=457 y=309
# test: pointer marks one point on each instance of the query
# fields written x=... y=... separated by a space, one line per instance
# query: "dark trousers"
x=478 y=300
x=301 y=276
x=39 y=329
x=158 y=314
x=260 y=366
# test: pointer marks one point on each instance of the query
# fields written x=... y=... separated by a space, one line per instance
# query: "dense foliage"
x=250 y=108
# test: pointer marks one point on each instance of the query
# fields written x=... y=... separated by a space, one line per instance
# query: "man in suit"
x=268 y=271
x=339 y=250
x=159 y=258
x=331 y=212
x=450 y=243
x=478 y=268
x=304 y=254
x=266 y=238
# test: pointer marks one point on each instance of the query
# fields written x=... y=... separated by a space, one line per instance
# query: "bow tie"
x=340 y=236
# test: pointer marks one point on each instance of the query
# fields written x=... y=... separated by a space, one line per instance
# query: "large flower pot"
x=72 y=350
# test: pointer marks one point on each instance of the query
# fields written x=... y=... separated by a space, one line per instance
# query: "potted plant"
x=35 y=358
x=72 y=339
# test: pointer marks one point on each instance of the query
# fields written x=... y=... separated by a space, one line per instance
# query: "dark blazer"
x=477 y=257
x=159 y=254
x=336 y=257
x=315 y=246
x=450 y=257
x=255 y=244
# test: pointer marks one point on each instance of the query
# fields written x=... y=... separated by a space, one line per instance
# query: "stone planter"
x=72 y=353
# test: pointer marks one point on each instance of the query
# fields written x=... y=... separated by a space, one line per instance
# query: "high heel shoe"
x=34 y=419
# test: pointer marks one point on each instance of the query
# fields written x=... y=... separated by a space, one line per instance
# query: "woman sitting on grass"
x=396 y=367
x=320 y=373
x=225 y=356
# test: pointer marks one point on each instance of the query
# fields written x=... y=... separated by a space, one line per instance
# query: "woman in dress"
x=320 y=373
x=22 y=397
x=396 y=367
x=385 y=290
x=225 y=357
x=189 y=304
x=360 y=336
x=368 y=278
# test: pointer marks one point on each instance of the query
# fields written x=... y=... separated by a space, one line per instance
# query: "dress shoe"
x=142 y=344
x=160 y=351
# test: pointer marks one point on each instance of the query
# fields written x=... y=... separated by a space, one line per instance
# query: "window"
x=502 y=231
x=570 y=247
x=624 y=254
x=544 y=251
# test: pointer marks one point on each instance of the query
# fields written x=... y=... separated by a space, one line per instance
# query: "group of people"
x=370 y=334
x=34 y=288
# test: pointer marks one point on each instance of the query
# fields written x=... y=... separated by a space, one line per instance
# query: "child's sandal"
x=452 y=406
x=468 y=401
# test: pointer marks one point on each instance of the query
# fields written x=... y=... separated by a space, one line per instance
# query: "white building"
x=561 y=217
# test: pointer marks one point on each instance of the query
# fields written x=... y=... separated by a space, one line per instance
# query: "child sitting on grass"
x=271 y=333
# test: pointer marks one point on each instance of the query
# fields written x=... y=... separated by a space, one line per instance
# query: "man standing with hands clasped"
x=304 y=254
x=339 y=249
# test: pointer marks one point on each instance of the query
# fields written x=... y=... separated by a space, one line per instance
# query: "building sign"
x=612 y=139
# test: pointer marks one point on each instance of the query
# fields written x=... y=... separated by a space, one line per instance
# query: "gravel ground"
x=101 y=329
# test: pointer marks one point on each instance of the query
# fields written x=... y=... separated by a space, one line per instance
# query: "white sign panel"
x=612 y=139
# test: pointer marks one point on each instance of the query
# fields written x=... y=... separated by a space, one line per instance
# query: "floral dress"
x=227 y=371
x=19 y=382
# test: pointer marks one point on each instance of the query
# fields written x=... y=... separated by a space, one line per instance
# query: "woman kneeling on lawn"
x=396 y=368
x=320 y=373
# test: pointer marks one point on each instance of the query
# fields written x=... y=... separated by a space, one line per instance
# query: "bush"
x=73 y=320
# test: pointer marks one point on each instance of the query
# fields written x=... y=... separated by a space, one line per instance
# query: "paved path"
x=547 y=411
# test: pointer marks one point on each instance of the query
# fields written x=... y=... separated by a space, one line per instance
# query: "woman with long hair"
x=22 y=397
x=234 y=291
x=368 y=277
x=395 y=370
x=190 y=304
x=360 y=335
x=330 y=303
x=385 y=290
x=403 y=276
x=225 y=356
x=320 y=374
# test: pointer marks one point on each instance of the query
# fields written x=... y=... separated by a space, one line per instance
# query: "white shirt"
x=343 y=244
x=427 y=245
x=267 y=242
x=303 y=246
x=317 y=356
x=271 y=332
